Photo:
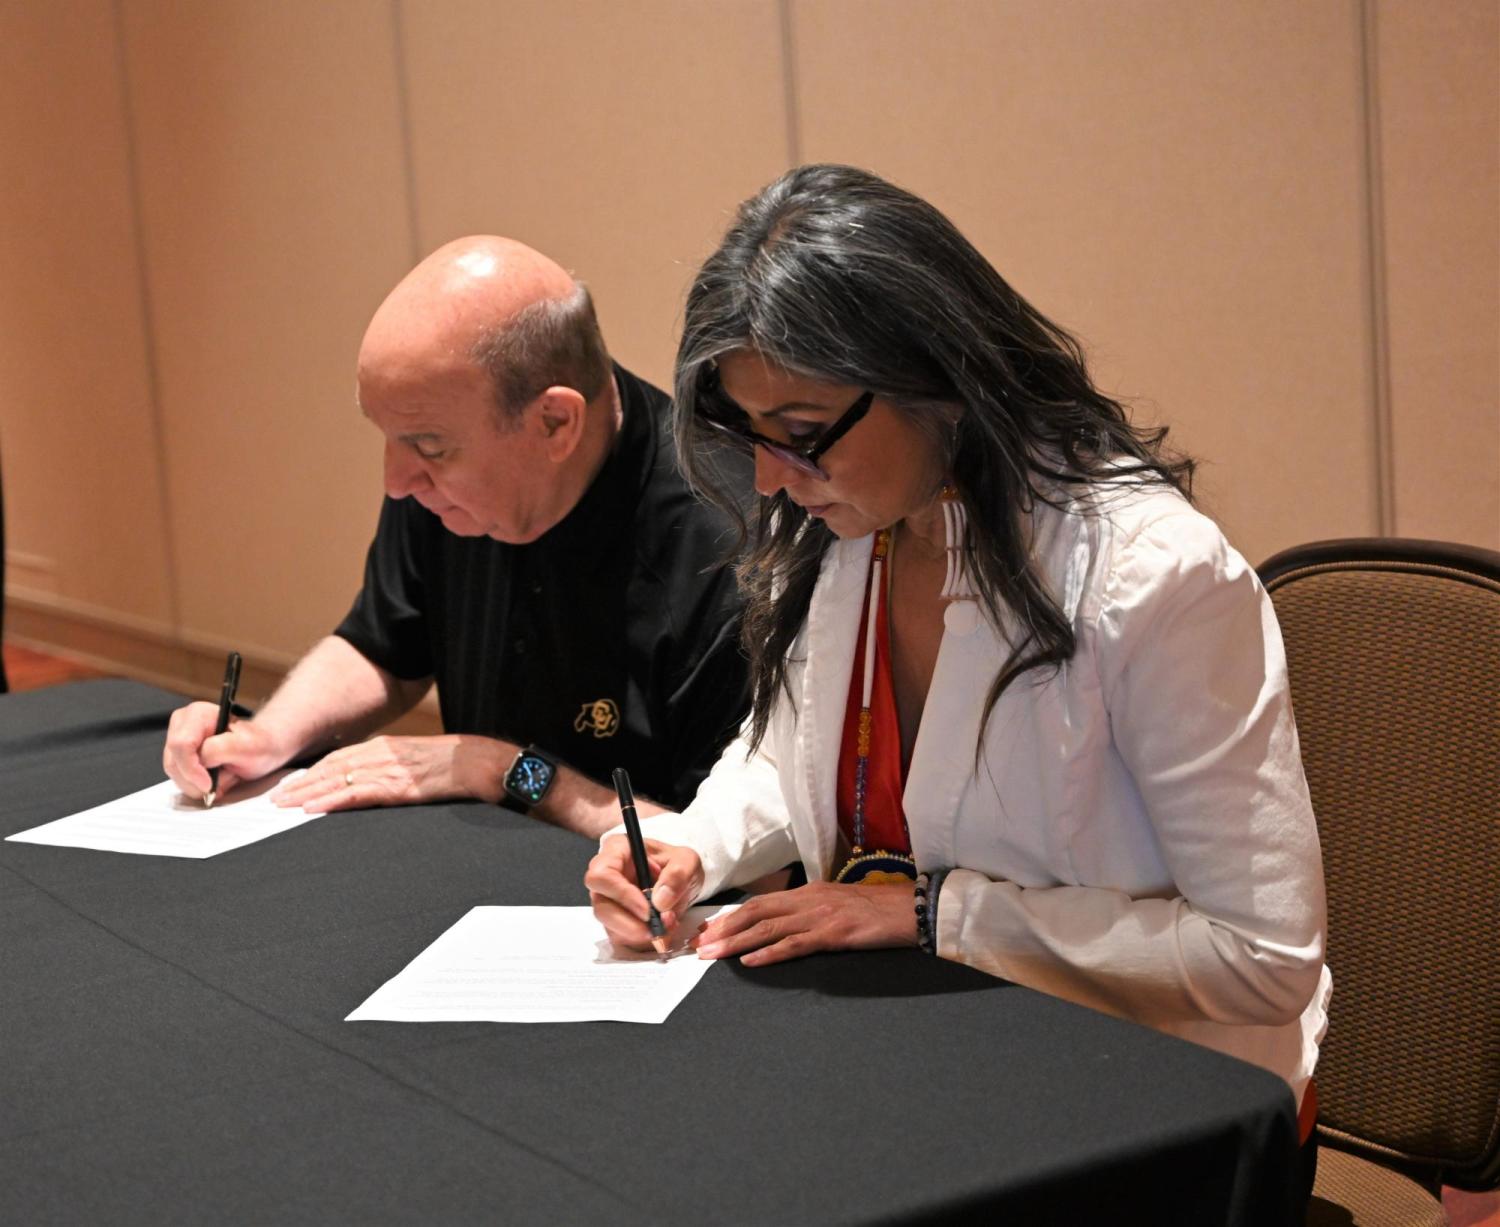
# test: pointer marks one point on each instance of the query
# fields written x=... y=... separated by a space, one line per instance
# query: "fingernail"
x=710 y=951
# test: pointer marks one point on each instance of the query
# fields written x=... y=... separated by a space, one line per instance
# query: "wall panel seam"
x=403 y=113
x=148 y=324
x=1382 y=433
x=789 y=93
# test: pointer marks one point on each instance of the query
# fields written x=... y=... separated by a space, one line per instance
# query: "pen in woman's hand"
x=638 y=854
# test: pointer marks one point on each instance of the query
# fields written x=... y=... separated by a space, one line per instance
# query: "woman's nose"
x=771 y=472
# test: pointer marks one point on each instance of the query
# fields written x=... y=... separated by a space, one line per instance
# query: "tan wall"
x=79 y=434
x=1178 y=182
x=1439 y=155
x=1274 y=223
x=271 y=181
x=624 y=167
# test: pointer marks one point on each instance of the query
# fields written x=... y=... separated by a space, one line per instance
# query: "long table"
x=172 y=1050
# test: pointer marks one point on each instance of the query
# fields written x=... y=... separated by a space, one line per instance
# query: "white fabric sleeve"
x=737 y=822
x=1193 y=676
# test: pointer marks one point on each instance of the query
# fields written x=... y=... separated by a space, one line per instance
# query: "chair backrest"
x=1393 y=650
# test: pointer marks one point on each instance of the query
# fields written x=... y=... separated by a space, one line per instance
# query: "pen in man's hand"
x=226 y=701
x=638 y=854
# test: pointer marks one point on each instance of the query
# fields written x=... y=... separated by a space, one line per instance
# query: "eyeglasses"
x=804 y=456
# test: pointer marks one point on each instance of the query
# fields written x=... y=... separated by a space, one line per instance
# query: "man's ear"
x=560 y=415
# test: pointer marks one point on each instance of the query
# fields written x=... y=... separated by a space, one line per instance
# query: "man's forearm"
x=574 y=801
x=583 y=805
x=332 y=696
x=335 y=696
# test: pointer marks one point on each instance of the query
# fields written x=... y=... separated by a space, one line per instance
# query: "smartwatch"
x=529 y=778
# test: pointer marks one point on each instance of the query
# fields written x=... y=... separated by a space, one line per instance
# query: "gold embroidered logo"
x=601 y=716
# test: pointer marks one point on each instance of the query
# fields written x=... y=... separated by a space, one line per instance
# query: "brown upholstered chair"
x=1393 y=648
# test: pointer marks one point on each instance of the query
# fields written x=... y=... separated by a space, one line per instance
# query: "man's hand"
x=819 y=916
x=399 y=771
x=246 y=751
x=618 y=901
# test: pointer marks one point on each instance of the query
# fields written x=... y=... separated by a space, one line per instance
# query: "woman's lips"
x=816 y=510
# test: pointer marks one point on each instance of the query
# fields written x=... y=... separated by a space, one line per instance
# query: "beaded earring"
x=956 y=585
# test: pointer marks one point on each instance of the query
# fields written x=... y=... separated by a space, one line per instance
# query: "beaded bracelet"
x=927 y=889
x=924 y=931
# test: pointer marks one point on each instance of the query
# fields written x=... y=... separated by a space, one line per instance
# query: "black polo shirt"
x=612 y=640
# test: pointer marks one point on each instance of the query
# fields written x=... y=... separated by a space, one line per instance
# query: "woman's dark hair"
x=833 y=273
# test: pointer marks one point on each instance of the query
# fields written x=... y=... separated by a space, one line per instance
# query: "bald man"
x=538 y=556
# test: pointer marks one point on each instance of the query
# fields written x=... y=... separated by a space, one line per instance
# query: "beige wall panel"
x=1178 y=181
x=273 y=198
x=77 y=440
x=615 y=137
x=1439 y=78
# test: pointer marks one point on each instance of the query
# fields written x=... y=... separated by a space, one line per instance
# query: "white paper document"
x=537 y=964
x=160 y=821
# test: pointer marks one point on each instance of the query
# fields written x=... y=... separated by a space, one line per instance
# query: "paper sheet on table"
x=160 y=821
x=537 y=964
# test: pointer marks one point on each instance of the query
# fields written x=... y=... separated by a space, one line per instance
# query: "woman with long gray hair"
x=1016 y=701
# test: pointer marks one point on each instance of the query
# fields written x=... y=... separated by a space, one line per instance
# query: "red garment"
x=885 y=820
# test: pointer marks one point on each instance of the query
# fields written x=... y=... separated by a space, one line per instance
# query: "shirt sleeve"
x=1193 y=676
x=388 y=621
x=738 y=823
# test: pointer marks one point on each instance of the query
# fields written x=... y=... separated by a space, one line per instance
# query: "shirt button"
x=519 y=647
x=536 y=588
x=962 y=617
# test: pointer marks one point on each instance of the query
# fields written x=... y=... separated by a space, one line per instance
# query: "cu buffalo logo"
x=601 y=717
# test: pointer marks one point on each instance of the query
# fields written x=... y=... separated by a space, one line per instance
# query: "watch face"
x=530 y=777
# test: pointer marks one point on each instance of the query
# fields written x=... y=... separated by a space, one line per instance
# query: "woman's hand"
x=618 y=901
x=818 y=916
x=396 y=771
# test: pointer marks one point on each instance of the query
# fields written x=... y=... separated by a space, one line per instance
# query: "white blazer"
x=1137 y=836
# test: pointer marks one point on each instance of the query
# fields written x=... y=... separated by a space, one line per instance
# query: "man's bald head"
x=496 y=303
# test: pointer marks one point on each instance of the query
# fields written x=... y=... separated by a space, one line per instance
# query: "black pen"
x=638 y=853
x=226 y=701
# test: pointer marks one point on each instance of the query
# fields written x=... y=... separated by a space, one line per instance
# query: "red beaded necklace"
x=872 y=865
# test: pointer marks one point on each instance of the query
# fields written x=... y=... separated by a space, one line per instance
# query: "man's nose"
x=404 y=474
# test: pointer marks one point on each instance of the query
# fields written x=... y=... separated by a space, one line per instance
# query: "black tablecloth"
x=173 y=1050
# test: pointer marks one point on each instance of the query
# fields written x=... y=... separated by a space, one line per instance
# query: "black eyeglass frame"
x=805 y=457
